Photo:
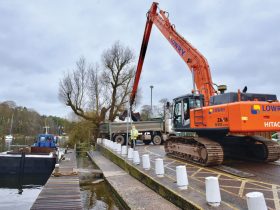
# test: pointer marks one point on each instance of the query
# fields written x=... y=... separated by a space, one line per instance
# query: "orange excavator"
x=222 y=125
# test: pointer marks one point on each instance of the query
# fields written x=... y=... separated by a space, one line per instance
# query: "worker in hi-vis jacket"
x=133 y=136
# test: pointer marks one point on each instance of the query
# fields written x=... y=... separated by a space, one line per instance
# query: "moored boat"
x=9 y=138
x=36 y=161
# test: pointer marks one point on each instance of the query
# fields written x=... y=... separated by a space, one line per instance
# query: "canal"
x=10 y=196
x=94 y=196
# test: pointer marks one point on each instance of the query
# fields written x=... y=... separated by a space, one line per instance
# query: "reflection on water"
x=10 y=199
x=12 y=181
x=98 y=197
x=94 y=196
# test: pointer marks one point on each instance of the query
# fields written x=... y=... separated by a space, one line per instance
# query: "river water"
x=10 y=196
x=94 y=196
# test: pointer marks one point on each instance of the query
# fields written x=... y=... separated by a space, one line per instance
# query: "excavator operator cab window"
x=189 y=103
x=195 y=103
x=182 y=107
x=186 y=109
x=177 y=116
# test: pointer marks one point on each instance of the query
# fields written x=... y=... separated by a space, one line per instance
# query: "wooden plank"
x=62 y=192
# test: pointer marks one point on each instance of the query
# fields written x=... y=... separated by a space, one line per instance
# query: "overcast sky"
x=40 y=40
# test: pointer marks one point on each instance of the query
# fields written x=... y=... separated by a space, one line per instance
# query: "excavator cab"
x=181 y=109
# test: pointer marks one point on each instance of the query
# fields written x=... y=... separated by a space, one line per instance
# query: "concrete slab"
x=134 y=194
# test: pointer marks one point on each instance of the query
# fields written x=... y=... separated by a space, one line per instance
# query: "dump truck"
x=156 y=131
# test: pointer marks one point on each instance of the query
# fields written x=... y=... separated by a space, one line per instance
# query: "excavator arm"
x=196 y=62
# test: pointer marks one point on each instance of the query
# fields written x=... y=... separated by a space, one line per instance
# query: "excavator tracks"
x=199 y=150
x=255 y=148
x=209 y=152
x=273 y=150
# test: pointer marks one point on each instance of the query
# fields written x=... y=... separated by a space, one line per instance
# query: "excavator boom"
x=196 y=62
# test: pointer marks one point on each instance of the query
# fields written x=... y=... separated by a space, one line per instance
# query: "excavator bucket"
x=135 y=116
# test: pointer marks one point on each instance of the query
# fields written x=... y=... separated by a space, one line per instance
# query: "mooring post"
x=21 y=172
x=56 y=169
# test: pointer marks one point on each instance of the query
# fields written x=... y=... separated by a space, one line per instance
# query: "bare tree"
x=161 y=107
x=118 y=73
x=158 y=110
x=146 y=112
x=95 y=93
x=72 y=88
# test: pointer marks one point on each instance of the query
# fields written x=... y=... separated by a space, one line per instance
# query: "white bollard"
x=130 y=154
x=109 y=144
x=146 y=162
x=182 y=177
x=56 y=168
x=99 y=140
x=106 y=142
x=115 y=146
x=136 y=158
x=213 y=195
x=103 y=141
x=119 y=148
x=124 y=151
x=255 y=201
x=159 y=167
x=112 y=145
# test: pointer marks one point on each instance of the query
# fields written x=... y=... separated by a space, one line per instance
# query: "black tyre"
x=157 y=140
x=120 y=139
x=147 y=142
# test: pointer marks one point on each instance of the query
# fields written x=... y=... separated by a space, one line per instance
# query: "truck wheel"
x=147 y=142
x=157 y=139
x=120 y=139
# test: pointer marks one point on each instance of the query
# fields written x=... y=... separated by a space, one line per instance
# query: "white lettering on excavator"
x=271 y=124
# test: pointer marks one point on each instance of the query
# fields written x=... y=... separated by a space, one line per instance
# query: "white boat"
x=9 y=137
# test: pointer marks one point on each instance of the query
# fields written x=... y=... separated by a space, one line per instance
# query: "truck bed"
x=121 y=127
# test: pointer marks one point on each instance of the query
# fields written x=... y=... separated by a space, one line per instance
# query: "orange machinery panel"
x=210 y=117
x=238 y=117
x=254 y=116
